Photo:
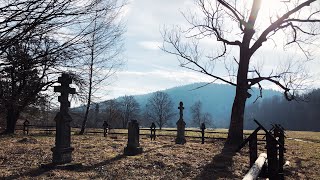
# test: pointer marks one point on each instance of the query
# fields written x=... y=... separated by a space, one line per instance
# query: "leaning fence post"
x=253 y=149
x=279 y=133
x=272 y=154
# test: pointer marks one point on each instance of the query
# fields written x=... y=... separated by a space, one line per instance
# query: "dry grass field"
x=97 y=157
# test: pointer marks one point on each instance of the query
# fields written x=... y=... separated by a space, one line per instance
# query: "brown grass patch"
x=102 y=158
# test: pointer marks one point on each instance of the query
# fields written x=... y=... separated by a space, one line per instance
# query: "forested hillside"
x=303 y=114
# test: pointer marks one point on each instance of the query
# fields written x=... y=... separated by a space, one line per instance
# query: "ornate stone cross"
x=181 y=109
x=62 y=152
x=65 y=90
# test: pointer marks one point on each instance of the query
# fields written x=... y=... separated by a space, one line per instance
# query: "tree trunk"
x=12 y=117
x=235 y=135
x=84 y=122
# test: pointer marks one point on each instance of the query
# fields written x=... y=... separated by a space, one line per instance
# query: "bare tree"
x=130 y=109
x=233 y=25
x=104 y=44
x=113 y=113
x=198 y=117
x=159 y=108
x=39 y=40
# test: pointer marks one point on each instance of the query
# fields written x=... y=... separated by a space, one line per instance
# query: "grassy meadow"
x=98 y=157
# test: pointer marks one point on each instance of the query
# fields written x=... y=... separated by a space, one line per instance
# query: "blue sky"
x=148 y=68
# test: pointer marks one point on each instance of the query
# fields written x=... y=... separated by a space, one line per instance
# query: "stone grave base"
x=132 y=151
x=61 y=155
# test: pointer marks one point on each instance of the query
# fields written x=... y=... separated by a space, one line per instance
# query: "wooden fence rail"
x=205 y=135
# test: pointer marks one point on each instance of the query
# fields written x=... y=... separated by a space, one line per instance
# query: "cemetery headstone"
x=181 y=127
x=105 y=128
x=203 y=127
x=26 y=124
x=63 y=150
x=133 y=145
x=153 y=131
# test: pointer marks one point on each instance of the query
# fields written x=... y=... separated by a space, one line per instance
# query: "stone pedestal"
x=62 y=150
x=181 y=132
x=133 y=145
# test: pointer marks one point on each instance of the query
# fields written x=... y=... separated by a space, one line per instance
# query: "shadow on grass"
x=72 y=166
x=220 y=166
x=32 y=173
x=112 y=160
x=69 y=167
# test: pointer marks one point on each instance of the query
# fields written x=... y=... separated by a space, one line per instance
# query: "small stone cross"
x=181 y=109
x=65 y=90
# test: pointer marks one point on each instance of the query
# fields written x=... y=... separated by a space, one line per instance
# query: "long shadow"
x=32 y=173
x=72 y=167
x=102 y=163
x=109 y=161
x=220 y=166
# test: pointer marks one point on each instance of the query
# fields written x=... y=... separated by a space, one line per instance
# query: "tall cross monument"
x=63 y=150
x=181 y=127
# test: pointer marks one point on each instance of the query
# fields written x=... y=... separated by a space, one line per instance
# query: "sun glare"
x=269 y=11
x=270 y=8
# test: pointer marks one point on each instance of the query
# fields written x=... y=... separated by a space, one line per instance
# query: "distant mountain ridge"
x=216 y=99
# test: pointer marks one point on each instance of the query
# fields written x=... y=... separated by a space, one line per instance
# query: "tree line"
x=159 y=109
x=302 y=114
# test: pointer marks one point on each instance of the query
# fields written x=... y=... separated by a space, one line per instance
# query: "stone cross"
x=64 y=89
x=203 y=127
x=133 y=146
x=26 y=124
x=63 y=150
x=181 y=127
x=105 y=128
x=153 y=131
x=181 y=108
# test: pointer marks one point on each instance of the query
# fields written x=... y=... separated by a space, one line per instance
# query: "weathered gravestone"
x=133 y=145
x=203 y=127
x=153 y=131
x=63 y=150
x=181 y=127
x=105 y=128
x=26 y=124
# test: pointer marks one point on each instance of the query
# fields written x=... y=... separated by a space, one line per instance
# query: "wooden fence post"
x=272 y=155
x=253 y=148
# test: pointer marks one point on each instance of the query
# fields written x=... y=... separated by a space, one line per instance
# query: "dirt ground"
x=97 y=157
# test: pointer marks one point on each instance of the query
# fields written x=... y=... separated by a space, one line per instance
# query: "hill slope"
x=216 y=99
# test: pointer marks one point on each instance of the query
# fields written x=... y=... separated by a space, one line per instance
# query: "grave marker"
x=181 y=127
x=153 y=131
x=26 y=124
x=133 y=145
x=63 y=150
x=105 y=128
x=203 y=127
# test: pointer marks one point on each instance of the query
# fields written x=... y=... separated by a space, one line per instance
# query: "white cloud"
x=150 y=45
x=149 y=69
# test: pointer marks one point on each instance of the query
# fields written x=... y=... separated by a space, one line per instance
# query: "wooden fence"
x=190 y=133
